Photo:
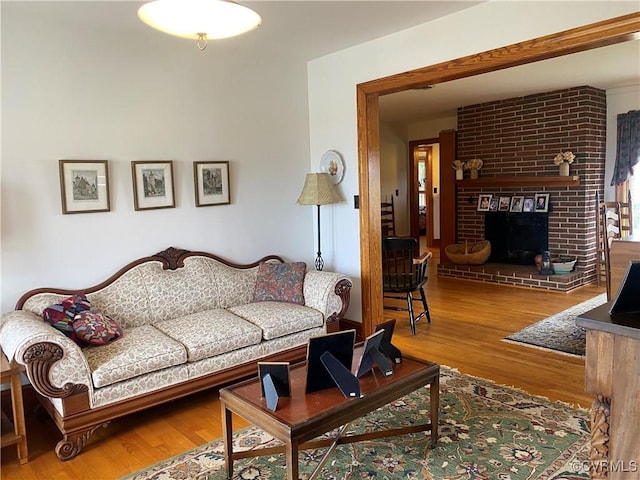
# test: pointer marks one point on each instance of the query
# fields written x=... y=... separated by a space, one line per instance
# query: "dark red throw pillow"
x=96 y=329
x=61 y=315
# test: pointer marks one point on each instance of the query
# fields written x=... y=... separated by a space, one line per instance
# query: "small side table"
x=14 y=433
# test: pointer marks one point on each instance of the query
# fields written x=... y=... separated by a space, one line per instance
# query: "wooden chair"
x=403 y=273
x=387 y=219
x=614 y=221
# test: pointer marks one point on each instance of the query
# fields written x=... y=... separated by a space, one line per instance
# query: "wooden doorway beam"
x=600 y=34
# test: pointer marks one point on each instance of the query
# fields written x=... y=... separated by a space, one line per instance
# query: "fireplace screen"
x=516 y=237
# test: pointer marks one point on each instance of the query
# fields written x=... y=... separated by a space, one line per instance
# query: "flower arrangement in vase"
x=563 y=159
x=473 y=166
x=458 y=165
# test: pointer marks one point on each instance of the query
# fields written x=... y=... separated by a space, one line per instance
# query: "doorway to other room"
x=424 y=209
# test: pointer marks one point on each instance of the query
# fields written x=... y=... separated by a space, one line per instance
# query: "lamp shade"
x=199 y=18
x=318 y=190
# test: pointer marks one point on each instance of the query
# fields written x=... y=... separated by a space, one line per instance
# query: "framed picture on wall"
x=503 y=204
x=516 y=203
x=493 y=204
x=211 y=183
x=84 y=186
x=153 y=184
x=483 y=203
x=542 y=202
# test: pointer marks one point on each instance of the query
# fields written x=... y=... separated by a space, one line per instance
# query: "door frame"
x=412 y=181
x=595 y=35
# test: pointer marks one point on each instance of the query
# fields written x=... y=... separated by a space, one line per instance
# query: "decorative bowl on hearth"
x=563 y=265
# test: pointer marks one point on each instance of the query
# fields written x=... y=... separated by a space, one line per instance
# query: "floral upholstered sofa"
x=181 y=322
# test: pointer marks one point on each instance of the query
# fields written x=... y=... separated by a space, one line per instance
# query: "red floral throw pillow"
x=96 y=329
x=61 y=315
x=280 y=282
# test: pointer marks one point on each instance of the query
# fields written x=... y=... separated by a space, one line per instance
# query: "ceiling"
x=605 y=68
x=304 y=30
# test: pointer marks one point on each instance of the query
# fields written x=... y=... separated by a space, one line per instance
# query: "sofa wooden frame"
x=80 y=421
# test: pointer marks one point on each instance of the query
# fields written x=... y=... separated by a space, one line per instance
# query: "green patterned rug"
x=487 y=431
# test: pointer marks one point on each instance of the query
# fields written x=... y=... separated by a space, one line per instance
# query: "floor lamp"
x=318 y=190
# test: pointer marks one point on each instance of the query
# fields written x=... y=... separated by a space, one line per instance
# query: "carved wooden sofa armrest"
x=343 y=290
x=39 y=360
x=329 y=293
x=54 y=364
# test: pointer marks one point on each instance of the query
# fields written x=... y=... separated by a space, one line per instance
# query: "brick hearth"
x=515 y=275
x=519 y=137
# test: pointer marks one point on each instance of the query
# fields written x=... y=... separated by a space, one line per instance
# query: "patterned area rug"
x=559 y=332
x=487 y=431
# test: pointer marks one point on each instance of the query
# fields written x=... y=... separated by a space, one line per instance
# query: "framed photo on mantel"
x=516 y=203
x=542 y=202
x=484 y=202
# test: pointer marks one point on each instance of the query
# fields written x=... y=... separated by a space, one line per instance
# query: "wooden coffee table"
x=303 y=417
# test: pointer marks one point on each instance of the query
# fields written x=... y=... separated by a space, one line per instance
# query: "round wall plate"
x=332 y=164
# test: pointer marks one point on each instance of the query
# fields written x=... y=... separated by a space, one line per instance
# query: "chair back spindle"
x=403 y=273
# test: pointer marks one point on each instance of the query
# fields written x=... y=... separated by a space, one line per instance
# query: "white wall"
x=619 y=100
x=394 y=139
x=393 y=175
x=77 y=91
x=333 y=124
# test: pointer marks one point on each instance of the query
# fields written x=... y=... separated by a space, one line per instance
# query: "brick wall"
x=519 y=137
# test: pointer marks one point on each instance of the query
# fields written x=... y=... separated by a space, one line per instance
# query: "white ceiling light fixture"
x=199 y=19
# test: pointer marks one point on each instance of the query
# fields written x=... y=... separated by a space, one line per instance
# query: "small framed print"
x=153 y=184
x=529 y=204
x=211 y=183
x=493 y=204
x=84 y=186
x=483 y=203
x=516 y=203
x=542 y=202
x=503 y=204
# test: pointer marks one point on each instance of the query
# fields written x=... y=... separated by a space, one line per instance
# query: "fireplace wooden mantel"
x=521 y=181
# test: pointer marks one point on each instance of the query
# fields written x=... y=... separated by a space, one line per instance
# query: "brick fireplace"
x=517 y=139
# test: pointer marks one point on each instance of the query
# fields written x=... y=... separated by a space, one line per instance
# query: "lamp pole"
x=318 y=191
x=319 y=261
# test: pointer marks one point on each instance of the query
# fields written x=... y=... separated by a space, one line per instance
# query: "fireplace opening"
x=516 y=237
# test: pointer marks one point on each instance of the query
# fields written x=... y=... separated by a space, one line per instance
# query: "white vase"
x=564 y=169
x=459 y=174
x=474 y=174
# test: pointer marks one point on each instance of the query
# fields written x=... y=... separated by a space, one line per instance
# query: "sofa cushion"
x=209 y=333
x=235 y=286
x=126 y=300
x=183 y=291
x=61 y=315
x=95 y=328
x=280 y=282
x=277 y=319
x=142 y=350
